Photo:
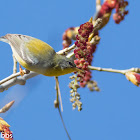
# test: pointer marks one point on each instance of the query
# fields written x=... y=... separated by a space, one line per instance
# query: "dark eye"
x=70 y=64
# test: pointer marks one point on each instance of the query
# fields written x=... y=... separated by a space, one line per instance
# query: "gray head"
x=65 y=62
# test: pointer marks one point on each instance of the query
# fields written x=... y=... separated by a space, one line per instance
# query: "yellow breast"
x=58 y=72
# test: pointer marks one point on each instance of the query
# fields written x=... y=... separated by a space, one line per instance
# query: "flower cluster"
x=109 y=5
x=120 y=11
x=83 y=52
x=75 y=96
x=83 y=57
x=68 y=35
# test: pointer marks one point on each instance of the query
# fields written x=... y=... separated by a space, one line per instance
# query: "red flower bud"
x=133 y=77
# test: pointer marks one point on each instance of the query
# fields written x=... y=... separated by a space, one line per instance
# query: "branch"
x=21 y=80
x=64 y=51
x=97 y=24
x=10 y=77
x=58 y=95
x=137 y=70
x=98 y=5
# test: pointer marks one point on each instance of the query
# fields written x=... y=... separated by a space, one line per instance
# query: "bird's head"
x=66 y=65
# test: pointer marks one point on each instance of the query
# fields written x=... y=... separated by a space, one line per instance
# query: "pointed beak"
x=78 y=69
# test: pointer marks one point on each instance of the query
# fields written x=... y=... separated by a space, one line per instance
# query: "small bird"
x=36 y=55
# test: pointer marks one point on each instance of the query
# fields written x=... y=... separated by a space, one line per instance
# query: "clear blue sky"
x=112 y=114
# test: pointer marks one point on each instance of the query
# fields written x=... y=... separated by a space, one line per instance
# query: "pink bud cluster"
x=83 y=52
x=66 y=39
x=120 y=11
x=109 y=5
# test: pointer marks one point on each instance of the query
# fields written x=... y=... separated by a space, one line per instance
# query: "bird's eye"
x=70 y=64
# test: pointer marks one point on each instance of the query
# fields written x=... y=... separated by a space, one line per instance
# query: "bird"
x=36 y=55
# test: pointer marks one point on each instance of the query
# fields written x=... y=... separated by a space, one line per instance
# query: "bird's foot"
x=21 y=71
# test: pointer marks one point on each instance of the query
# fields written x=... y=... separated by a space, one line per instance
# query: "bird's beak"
x=78 y=69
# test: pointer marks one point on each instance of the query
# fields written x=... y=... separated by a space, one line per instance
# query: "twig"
x=58 y=93
x=98 y=8
x=56 y=104
x=10 y=77
x=98 y=5
x=64 y=51
x=137 y=70
x=63 y=123
x=97 y=24
x=95 y=40
x=21 y=80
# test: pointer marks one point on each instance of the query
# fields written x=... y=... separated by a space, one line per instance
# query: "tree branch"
x=21 y=80
x=137 y=70
x=64 y=51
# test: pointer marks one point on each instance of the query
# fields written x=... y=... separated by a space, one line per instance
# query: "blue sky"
x=111 y=114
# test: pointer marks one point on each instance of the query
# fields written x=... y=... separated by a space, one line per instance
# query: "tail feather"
x=3 y=39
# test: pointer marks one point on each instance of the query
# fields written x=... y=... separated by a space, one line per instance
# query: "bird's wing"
x=29 y=49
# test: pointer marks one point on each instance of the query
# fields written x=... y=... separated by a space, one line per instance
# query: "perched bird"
x=36 y=55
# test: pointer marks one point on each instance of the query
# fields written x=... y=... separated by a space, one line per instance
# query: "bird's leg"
x=58 y=95
x=15 y=65
x=21 y=71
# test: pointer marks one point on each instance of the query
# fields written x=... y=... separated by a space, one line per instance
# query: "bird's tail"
x=3 y=39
